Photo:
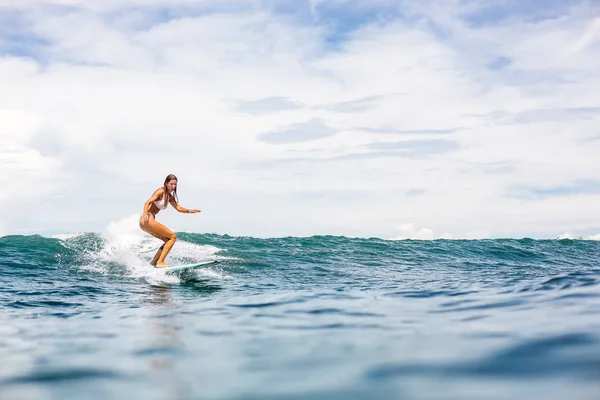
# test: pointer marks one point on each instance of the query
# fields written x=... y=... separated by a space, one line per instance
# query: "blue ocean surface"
x=84 y=316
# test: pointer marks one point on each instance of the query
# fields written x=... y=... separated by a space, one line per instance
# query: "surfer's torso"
x=158 y=205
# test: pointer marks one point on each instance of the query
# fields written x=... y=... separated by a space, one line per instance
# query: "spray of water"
x=124 y=248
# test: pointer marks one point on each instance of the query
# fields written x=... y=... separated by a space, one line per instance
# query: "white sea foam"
x=67 y=236
x=568 y=235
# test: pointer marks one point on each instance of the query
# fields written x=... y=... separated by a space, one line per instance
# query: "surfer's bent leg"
x=165 y=251
x=160 y=231
x=155 y=258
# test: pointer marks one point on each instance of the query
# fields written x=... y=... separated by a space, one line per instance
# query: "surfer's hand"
x=194 y=211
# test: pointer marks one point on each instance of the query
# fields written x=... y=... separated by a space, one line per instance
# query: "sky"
x=460 y=119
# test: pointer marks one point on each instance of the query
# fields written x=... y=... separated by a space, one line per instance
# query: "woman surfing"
x=159 y=200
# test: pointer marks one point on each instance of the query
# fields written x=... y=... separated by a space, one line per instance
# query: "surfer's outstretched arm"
x=182 y=209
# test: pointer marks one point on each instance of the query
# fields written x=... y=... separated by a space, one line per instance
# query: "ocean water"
x=84 y=316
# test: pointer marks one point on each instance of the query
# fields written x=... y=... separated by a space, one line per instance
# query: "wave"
x=123 y=255
x=516 y=264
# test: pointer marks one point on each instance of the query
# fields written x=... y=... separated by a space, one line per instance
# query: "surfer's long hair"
x=169 y=177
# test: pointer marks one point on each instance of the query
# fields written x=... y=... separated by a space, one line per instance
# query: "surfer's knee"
x=172 y=236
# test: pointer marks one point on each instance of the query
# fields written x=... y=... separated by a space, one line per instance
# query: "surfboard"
x=182 y=267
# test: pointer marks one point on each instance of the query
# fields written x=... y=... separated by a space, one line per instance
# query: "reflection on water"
x=163 y=347
x=159 y=294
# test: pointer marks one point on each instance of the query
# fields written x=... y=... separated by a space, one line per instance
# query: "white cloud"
x=274 y=131
x=26 y=173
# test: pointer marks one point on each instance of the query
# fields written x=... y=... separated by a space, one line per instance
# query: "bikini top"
x=160 y=203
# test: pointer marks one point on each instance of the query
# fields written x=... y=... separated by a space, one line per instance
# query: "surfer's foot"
x=161 y=265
